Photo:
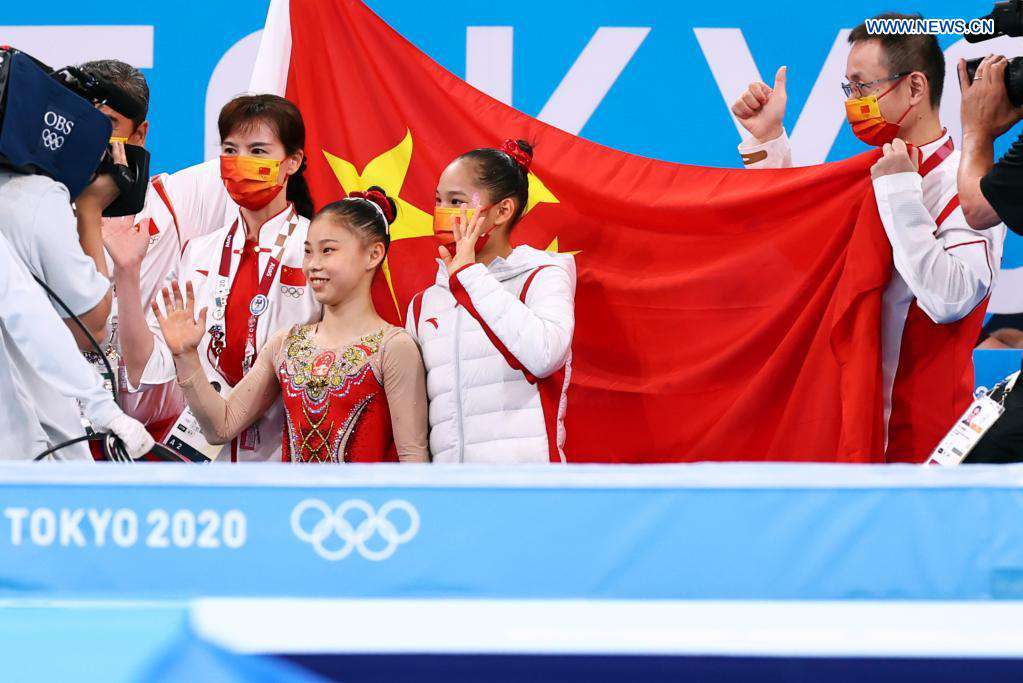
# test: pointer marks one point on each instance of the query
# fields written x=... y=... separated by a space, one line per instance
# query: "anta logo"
x=58 y=123
x=433 y=321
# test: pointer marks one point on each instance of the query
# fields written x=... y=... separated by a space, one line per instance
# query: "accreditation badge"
x=968 y=430
x=186 y=438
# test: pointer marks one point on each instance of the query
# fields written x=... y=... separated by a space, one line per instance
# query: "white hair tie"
x=387 y=225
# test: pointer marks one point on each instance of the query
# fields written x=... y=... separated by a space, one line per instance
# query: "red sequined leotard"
x=335 y=404
x=364 y=402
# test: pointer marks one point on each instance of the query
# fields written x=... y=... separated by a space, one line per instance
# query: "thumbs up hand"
x=761 y=109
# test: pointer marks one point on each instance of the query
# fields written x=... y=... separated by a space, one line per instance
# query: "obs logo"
x=57 y=127
x=354 y=525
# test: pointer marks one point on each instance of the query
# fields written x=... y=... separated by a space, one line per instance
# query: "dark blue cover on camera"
x=45 y=127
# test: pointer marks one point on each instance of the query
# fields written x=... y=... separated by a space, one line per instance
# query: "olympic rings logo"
x=51 y=140
x=294 y=292
x=355 y=523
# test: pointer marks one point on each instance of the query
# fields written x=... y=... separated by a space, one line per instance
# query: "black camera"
x=1007 y=17
x=132 y=179
x=45 y=127
x=50 y=124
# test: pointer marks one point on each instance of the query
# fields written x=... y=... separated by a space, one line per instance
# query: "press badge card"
x=966 y=432
x=186 y=439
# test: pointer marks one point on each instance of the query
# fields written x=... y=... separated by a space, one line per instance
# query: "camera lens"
x=1013 y=78
x=1014 y=81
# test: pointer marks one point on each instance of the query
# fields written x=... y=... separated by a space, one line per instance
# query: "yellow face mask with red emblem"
x=252 y=182
x=444 y=218
x=868 y=123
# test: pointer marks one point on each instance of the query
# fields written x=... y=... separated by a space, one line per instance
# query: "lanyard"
x=1006 y=386
x=259 y=303
x=223 y=286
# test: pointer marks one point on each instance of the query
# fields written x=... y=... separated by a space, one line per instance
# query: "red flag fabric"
x=721 y=314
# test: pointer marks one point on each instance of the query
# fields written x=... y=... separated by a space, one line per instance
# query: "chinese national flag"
x=721 y=314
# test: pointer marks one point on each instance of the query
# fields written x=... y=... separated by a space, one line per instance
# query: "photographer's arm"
x=1002 y=187
x=977 y=159
x=986 y=113
x=89 y=209
x=54 y=250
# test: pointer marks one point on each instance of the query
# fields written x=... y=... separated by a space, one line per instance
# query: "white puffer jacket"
x=497 y=344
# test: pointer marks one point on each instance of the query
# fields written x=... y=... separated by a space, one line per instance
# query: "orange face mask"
x=444 y=218
x=868 y=123
x=251 y=181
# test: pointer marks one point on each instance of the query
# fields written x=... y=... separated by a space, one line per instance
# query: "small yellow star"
x=553 y=248
x=538 y=194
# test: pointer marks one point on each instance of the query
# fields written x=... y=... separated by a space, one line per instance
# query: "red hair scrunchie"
x=379 y=199
x=518 y=155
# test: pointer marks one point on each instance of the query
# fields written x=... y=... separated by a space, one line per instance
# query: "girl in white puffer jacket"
x=496 y=328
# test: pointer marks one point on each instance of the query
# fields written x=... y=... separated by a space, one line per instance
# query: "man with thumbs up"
x=934 y=305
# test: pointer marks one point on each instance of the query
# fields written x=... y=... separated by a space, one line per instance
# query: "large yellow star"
x=388 y=171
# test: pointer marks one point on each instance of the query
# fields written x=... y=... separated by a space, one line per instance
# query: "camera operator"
x=66 y=252
x=60 y=246
x=31 y=333
x=990 y=193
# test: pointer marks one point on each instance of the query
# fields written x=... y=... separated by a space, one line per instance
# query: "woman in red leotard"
x=353 y=386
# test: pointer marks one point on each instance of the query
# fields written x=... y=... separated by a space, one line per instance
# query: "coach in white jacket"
x=933 y=307
x=496 y=327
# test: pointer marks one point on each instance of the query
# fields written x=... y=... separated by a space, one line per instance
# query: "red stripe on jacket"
x=550 y=388
x=462 y=297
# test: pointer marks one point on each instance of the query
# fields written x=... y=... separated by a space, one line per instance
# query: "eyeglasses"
x=852 y=87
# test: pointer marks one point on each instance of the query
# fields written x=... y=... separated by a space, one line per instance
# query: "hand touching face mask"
x=444 y=218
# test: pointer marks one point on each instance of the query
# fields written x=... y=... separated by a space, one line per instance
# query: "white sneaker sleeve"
x=411 y=323
x=776 y=153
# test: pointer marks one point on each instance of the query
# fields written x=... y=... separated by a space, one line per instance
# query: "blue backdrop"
x=666 y=101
